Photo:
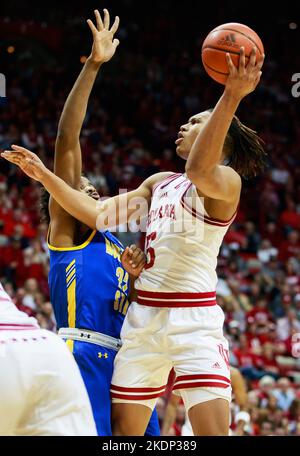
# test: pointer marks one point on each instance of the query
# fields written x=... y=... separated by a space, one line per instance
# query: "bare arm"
x=203 y=165
x=68 y=161
x=97 y=215
x=238 y=387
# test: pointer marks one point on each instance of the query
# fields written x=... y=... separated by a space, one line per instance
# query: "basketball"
x=228 y=38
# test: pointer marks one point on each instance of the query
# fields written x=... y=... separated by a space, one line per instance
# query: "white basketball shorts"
x=41 y=389
x=156 y=339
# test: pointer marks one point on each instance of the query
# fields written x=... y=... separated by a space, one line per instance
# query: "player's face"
x=189 y=132
x=89 y=189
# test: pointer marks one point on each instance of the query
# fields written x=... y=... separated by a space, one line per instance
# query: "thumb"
x=116 y=42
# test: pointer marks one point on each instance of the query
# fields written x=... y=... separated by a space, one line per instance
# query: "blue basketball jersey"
x=89 y=286
x=89 y=290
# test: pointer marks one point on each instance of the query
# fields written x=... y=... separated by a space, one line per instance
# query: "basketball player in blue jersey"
x=89 y=287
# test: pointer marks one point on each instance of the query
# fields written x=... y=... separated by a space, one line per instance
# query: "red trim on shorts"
x=171 y=304
x=166 y=299
x=200 y=384
x=140 y=397
x=204 y=377
x=15 y=327
x=172 y=295
x=136 y=390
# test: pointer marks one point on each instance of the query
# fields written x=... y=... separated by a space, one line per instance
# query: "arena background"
x=153 y=84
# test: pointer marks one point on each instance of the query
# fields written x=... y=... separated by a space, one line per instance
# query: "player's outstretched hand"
x=27 y=161
x=133 y=260
x=243 y=80
x=104 y=45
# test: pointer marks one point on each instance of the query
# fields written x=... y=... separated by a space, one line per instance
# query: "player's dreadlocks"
x=244 y=150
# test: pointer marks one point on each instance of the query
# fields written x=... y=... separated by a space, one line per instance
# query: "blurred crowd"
x=138 y=104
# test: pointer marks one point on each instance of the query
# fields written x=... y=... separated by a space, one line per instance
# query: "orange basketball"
x=228 y=38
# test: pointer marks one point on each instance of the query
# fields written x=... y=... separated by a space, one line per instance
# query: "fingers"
x=252 y=60
x=115 y=25
x=23 y=151
x=106 y=19
x=126 y=255
x=116 y=43
x=260 y=61
x=242 y=61
x=136 y=256
x=139 y=259
x=99 y=22
x=230 y=64
x=92 y=27
x=11 y=157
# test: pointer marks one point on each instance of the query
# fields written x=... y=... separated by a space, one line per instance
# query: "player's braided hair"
x=244 y=150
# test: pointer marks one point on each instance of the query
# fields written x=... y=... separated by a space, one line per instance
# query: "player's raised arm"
x=68 y=161
x=203 y=164
x=97 y=215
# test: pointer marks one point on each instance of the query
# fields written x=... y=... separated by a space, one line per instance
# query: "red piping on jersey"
x=205 y=218
x=166 y=181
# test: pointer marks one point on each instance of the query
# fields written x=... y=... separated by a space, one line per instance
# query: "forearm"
x=133 y=292
x=77 y=204
x=75 y=108
x=206 y=151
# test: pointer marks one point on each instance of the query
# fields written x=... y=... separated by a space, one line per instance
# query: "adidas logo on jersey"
x=216 y=366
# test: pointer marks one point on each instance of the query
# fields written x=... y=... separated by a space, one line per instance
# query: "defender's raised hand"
x=243 y=80
x=29 y=162
x=104 y=45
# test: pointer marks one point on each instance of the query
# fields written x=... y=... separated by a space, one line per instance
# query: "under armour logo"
x=87 y=336
x=102 y=355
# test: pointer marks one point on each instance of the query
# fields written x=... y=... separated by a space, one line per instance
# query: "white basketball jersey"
x=182 y=241
x=10 y=314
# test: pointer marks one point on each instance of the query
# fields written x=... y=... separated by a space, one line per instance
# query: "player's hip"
x=144 y=320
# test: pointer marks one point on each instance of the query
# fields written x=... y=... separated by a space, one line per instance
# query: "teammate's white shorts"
x=41 y=389
x=157 y=339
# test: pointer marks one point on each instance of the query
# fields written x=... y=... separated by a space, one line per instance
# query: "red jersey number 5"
x=150 y=252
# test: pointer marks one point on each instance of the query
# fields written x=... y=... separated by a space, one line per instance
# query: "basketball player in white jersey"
x=176 y=322
x=41 y=390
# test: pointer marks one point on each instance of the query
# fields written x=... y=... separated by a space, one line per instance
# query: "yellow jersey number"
x=121 y=301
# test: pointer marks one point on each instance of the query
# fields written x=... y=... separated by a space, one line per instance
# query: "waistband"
x=91 y=337
x=166 y=299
